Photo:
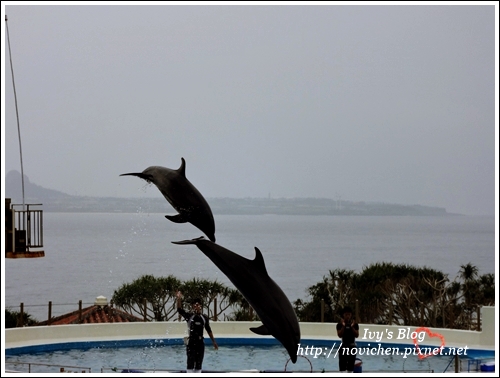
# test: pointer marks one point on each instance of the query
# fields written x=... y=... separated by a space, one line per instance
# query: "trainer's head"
x=346 y=313
x=196 y=305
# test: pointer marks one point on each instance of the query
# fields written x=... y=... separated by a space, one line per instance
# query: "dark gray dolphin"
x=182 y=195
x=264 y=295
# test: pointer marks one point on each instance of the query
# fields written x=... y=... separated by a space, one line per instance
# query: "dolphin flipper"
x=192 y=241
x=262 y=330
x=179 y=218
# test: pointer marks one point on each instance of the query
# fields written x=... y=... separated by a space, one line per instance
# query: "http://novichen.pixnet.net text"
x=377 y=350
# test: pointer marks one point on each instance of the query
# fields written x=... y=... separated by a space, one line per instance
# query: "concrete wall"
x=29 y=336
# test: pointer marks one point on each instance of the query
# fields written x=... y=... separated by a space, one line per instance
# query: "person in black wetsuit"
x=348 y=331
x=195 y=349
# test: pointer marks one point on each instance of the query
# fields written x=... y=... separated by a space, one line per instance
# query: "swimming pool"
x=156 y=346
x=233 y=355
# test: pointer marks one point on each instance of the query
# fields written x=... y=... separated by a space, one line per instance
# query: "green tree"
x=13 y=319
x=477 y=291
x=155 y=297
x=311 y=311
x=216 y=297
x=341 y=286
x=487 y=289
x=148 y=296
x=468 y=273
x=242 y=311
x=390 y=293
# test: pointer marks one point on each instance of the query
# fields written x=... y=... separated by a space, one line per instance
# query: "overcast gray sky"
x=371 y=103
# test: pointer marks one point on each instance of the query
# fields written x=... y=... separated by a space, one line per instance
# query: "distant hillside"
x=33 y=193
x=56 y=201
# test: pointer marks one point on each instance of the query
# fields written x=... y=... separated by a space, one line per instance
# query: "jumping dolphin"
x=182 y=195
x=264 y=295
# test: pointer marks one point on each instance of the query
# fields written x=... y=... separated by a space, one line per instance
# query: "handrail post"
x=322 y=310
x=49 y=320
x=443 y=315
x=20 y=321
x=28 y=228
x=215 y=309
x=80 y=311
x=357 y=311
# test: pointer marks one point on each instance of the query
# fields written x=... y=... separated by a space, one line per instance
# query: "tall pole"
x=17 y=112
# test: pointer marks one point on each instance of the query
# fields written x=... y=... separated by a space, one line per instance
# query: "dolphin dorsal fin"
x=259 y=260
x=182 y=168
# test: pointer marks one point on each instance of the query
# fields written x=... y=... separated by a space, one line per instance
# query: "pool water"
x=160 y=357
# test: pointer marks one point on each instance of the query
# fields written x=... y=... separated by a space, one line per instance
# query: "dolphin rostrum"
x=264 y=295
x=182 y=195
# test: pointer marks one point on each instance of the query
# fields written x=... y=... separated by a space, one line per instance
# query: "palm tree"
x=148 y=295
x=212 y=293
x=471 y=290
x=468 y=272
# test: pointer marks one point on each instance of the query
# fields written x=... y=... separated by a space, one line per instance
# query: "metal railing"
x=57 y=310
x=48 y=367
x=28 y=223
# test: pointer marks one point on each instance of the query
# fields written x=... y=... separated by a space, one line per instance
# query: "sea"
x=93 y=254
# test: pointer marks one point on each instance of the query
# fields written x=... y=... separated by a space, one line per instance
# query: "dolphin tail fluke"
x=176 y=218
x=262 y=330
x=192 y=241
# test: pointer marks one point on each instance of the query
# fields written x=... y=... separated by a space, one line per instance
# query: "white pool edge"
x=386 y=334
